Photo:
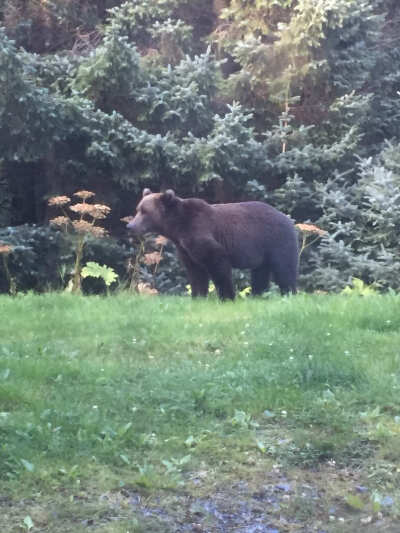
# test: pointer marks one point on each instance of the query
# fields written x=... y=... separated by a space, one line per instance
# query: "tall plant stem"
x=136 y=268
x=76 y=283
x=305 y=244
x=12 y=288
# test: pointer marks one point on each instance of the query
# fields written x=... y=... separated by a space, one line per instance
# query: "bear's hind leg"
x=285 y=277
x=260 y=278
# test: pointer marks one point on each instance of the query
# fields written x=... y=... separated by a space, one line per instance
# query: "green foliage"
x=27 y=113
x=362 y=220
x=244 y=293
x=135 y=20
x=94 y=270
x=171 y=38
x=42 y=258
x=299 y=55
x=163 y=27
x=44 y=27
x=102 y=140
x=179 y=100
x=359 y=288
x=111 y=252
x=110 y=75
x=5 y=201
x=38 y=253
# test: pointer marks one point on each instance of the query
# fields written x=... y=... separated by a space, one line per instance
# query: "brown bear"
x=213 y=239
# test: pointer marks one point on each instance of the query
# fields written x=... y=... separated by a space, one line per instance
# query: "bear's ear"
x=169 y=197
x=146 y=191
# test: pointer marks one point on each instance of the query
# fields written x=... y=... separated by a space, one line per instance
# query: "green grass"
x=98 y=394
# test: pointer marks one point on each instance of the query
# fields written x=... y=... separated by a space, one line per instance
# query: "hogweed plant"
x=151 y=259
x=309 y=234
x=5 y=250
x=88 y=215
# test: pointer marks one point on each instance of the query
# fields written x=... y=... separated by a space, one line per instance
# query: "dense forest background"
x=296 y=102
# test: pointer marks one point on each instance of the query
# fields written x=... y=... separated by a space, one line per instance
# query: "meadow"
x=156 y=413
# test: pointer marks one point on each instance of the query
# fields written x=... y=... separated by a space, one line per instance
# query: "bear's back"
x=252 y=212
x=252 y=231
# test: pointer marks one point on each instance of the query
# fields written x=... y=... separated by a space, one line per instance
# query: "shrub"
x=362 y=220
x=37 y=258
x=42 y=258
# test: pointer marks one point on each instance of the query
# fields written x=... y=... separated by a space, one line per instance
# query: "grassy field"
x=163 y=414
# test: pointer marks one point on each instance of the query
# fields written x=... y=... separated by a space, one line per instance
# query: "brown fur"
x=213 y=239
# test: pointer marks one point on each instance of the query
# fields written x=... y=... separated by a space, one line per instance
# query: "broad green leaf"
x=29 y=466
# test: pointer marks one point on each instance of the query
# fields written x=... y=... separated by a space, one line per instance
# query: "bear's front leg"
x=212 y=257
x=198 y=277
x=221 y=274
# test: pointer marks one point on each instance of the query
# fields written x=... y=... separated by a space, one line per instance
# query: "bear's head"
x=155 y=213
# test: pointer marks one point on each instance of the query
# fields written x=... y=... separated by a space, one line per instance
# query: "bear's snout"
x=139 y=226
x=133 y=226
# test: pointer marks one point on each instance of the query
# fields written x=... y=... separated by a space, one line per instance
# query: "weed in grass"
x=303 y=508
x=148 y=477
